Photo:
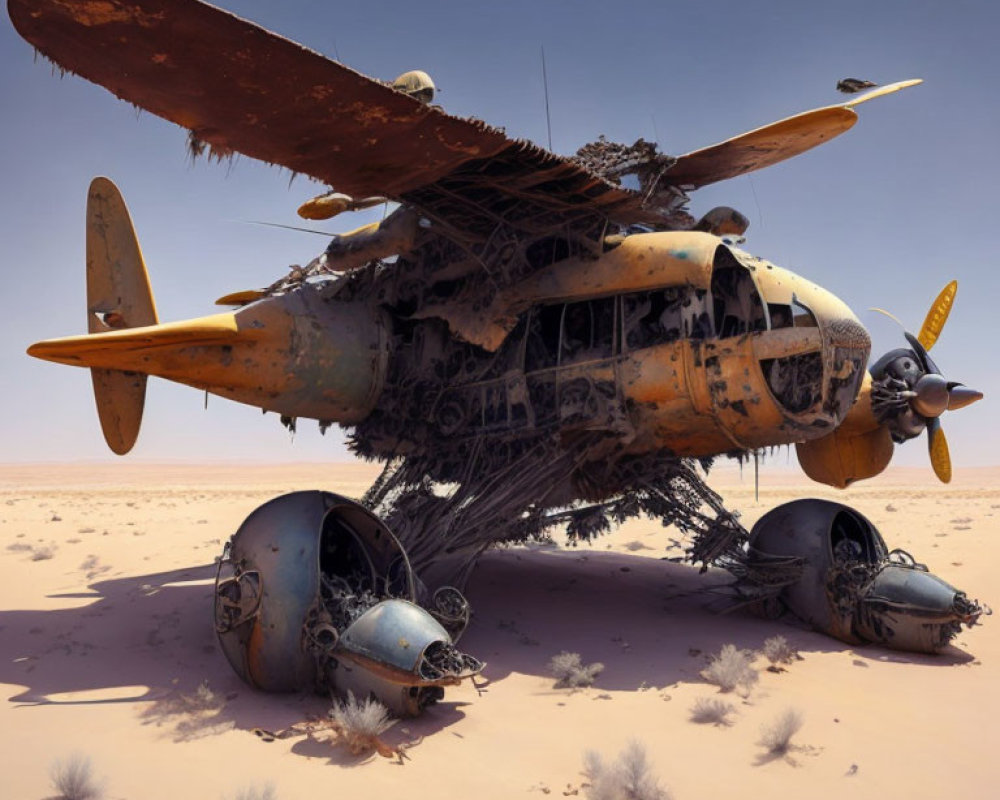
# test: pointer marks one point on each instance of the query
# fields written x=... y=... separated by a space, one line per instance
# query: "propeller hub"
x=932 y=395
x=909 y=392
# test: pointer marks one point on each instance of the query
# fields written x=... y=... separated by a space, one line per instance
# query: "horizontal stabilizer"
x=124 y=349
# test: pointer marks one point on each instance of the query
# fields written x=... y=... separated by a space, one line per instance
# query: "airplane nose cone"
x=907 y=608
x=960 y=396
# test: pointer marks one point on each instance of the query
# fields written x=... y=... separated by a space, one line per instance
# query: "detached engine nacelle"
x=843 y=580
x=315 y=593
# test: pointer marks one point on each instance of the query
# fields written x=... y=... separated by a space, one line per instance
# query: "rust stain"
x=104 y=12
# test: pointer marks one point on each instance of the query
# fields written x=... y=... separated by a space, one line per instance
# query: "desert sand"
x=106 y=637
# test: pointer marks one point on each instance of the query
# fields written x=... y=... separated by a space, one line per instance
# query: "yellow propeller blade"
x=937 y=316
x=940 y=458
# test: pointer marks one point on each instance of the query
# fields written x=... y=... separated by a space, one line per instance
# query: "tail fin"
x=118 y=296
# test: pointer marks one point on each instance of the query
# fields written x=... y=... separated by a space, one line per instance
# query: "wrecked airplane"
x=528 y=342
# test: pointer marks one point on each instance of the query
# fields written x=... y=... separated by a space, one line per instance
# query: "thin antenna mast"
x=756 y=478
x=545 y=83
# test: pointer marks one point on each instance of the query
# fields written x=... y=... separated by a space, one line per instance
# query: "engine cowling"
x=315 y=592
x=851 y=586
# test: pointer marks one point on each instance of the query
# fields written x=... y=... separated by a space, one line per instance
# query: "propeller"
x=910 y=394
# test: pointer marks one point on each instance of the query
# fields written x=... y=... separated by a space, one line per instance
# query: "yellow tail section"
x=118 y=296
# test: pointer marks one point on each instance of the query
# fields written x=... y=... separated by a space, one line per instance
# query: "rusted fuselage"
x=670 y=340
x=676 y=340
x=300 y=354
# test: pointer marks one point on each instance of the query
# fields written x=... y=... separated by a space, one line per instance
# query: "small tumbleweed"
x=42 y=552
x=776 y=737
x=73 y=778
x=265 y=792
x=359 y=725
x=713 y=710
x=201 y=699
x=628 y=778
x=570 y=672
x=731 y=668
x=778 y=651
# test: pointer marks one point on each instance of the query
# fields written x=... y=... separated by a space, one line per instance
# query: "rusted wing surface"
x=761 y=147
x=241 y=88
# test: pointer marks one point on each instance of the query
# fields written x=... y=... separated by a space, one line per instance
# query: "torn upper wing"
x=241 y=88
x=772 y=143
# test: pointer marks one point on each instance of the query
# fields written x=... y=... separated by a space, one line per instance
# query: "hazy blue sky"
x=883 y=216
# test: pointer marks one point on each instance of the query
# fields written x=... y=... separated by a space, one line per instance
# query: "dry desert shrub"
x=570 y=672
x=201 y=699
x=711 y=709
x=776 y=738
x=778 y=651
x=359 y=724
x=74 y=779
x=42 y=553
x=628 y=778
x=193 y=715
x=731 y=668
x=265 y=792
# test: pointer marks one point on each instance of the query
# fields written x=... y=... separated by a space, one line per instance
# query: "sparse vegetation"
x=732 y=668
x=778 y=651
x=628 y=778
x=359 y=724
x=776 y=738
x=42 y=552
x=253 y=793
x=201 y=699
x=713 y=710
x=39 y=552
x=569 y=670
x=73 y=779
x=191 y=714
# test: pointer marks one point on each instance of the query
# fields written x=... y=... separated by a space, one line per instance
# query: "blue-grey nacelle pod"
x=314 y=592
x=851 y=586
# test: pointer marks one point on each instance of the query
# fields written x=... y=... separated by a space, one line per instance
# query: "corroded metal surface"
x=241 y=88
x=118 y=296
x=315 y=593
x=831 y=567
x=761 y=147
